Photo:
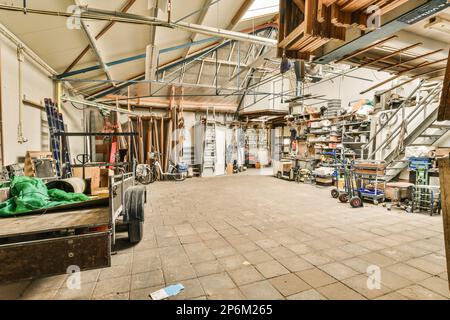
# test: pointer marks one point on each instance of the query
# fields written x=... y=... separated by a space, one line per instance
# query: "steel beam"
x=418 y=14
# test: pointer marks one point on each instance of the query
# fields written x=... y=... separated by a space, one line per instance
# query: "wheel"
x=279 y=175
x=179 y=176
x=135 y=231
x=356 y=202
x=375 y=202
x=343 y=197
x=134 y=212
x=144 y=174
x=335 y=193
x=291 y=175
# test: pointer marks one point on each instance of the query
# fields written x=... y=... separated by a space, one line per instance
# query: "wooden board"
x=444 y=177
x=444 y=107
x=50 y=222
x=43 y=258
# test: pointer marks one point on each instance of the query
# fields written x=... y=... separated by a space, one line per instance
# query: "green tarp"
x=28 y=194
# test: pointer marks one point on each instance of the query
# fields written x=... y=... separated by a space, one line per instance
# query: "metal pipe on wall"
x=20 y=59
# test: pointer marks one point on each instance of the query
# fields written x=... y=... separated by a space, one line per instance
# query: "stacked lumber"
x=307 y=25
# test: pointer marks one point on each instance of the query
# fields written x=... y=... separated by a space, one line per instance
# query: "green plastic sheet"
x=29 y=194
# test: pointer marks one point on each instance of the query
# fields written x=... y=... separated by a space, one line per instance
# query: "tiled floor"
x=256 y=237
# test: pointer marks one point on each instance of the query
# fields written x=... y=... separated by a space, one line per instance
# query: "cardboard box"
x=90 y=173
x=229 y=168
x=104 y=178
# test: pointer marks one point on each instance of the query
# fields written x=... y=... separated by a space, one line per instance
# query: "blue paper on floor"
x=167 y=292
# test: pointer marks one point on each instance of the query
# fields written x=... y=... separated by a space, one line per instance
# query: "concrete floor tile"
x=216 y=284
x=84 y=293
x=316 y=277
x=364 y=286
x=233 y=262
x=267 y=243
x=426 y=266
x=393 y=280
x=39 y=295
x=262 y=290
x=143 y=294
x=316 y=258
x=230 y=294
x=378 y=259
x=178 y=273
x=338 y=270
x=257 y=256
x=188 y=239
x=112 y=287
x=357 y=264
x=115 y=272
x=392 y=296
x=224 y=251
x=280 y=252
x=147 y=279
x=310 y=294
x=208 y=267
x=289 y=284
x=437 y=285
x=295 y=263
x=300 y=248
x=338 y=291
x=245 y=275
x=270 y=269
x=417 y=292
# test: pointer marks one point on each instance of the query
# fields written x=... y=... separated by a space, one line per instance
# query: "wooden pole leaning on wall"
x=444 y=177
x=444 y=107
x=169 y=129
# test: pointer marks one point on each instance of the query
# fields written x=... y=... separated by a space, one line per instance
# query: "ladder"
x=209 y=143
x=60 y=151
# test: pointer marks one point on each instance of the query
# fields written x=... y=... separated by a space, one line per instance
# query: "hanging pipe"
x=20 y=58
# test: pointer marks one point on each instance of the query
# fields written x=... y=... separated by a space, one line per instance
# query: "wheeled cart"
x=78 y=236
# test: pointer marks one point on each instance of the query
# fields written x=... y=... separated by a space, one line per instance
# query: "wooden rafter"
x=406 y=63
x=376 y=44
x=391 y=54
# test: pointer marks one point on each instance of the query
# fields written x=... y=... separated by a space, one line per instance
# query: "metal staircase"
x=209 y=143
x=410 y=132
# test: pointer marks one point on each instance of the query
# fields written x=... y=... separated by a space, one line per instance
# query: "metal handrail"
x=419 y=108
x=393 y=114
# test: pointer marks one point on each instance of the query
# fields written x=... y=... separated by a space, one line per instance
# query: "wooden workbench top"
x=49 y=222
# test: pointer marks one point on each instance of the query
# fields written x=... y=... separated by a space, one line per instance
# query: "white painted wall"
x=36 y=85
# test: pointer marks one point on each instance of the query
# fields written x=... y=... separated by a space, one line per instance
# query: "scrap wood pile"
x=307 y=25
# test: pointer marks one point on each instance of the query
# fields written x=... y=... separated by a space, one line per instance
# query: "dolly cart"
x=370 y=178
x=350 y=193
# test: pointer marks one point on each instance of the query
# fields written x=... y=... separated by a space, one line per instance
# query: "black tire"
x=335 y=193
x=135 y=231
x=135 y=198
x=343 y=197
x=356 y=202
x=279 y=175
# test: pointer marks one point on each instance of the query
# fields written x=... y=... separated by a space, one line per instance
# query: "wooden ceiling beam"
x=391 y=54
x=356 y=53
x=405 y=63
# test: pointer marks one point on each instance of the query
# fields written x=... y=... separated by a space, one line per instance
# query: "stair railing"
x=419 y=108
